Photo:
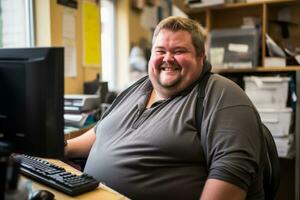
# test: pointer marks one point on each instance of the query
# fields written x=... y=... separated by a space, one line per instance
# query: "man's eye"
x=178 y=52
x=159 y=52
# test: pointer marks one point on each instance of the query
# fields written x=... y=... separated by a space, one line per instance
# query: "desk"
x=102 y=192
x=77 y=133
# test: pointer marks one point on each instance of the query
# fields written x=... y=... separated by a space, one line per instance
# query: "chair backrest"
x=272 y=166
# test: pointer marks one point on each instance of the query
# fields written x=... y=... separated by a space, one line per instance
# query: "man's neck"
x=154 y=97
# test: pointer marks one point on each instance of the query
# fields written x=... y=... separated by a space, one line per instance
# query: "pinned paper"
x=91 y=34
x=69 y=42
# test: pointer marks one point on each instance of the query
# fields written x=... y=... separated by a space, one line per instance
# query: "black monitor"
x=31 y=100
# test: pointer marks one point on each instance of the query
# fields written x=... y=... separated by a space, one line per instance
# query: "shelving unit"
x=266 y=11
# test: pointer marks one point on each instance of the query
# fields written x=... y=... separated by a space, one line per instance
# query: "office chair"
x=272 y=166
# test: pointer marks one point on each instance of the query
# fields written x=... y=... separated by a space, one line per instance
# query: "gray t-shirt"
x=156 y=153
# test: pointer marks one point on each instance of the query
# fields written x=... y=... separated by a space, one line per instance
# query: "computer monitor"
x=31 y=100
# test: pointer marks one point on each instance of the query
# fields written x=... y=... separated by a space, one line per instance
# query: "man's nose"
x=168 y=57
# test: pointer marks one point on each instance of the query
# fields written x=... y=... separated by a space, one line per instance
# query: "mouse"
x=42 y=195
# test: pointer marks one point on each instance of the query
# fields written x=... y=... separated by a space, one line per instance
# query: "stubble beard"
x=172 y=83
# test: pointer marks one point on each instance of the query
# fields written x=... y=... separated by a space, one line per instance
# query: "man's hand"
x=215 y=189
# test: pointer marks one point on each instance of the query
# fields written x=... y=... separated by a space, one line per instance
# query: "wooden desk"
x=77 y=133
x=102 y=192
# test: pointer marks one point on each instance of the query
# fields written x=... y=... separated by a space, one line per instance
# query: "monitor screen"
x=31 y=100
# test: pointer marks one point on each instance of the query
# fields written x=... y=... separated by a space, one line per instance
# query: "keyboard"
x=54 y=176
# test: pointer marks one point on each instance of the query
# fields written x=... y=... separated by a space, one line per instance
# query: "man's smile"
x=166 y=67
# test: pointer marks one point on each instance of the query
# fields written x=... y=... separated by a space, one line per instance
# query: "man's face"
x=173 y=65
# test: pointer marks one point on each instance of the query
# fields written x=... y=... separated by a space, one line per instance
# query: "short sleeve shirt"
x=157 y=153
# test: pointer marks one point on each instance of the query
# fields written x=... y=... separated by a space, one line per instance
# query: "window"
x=16 y=27
x=107 y=43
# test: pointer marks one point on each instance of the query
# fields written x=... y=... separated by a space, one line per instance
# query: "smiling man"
x=148 y=146
x=174 y=62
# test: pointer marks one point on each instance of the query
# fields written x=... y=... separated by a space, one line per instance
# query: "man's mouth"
x=169 y=69
x=166 y=67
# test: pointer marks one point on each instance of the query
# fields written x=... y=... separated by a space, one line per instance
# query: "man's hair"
x=183 y=24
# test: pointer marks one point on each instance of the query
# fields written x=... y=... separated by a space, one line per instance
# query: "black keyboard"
x=55 y=176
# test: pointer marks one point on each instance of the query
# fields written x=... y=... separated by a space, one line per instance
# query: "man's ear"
x=201 y=58
x=204 y=59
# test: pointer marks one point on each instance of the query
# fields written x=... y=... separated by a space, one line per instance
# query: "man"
x=148 y=147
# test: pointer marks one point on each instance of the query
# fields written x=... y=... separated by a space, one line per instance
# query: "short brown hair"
x=174 y=23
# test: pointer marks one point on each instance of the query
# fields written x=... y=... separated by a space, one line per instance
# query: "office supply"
x=285 y=146
x=233 y=47
x=15 y=189
x=297 y=57
x=267 y=92
x=75 y=120
x=278 y=120
x=275 y=62
x=55 y=176
x=79 y=120
x=78 y=103
x=274 y=50
x=80 y=110
x=270 y=96
x=103 y=192
x=96 y=87
x=205 y=3
x=42 y=195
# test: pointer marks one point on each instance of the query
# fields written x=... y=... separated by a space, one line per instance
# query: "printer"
x=78 y=103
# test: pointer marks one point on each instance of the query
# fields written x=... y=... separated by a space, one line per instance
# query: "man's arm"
x=215 y=189
x=80 y=146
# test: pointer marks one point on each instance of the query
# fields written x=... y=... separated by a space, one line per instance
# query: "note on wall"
x=149 y=17
x=69 y=24
x=69 y=42
x=91 y=34
x=70 y=58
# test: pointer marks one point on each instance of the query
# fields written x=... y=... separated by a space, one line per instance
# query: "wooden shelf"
x=196 y=8
x=257 y=69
